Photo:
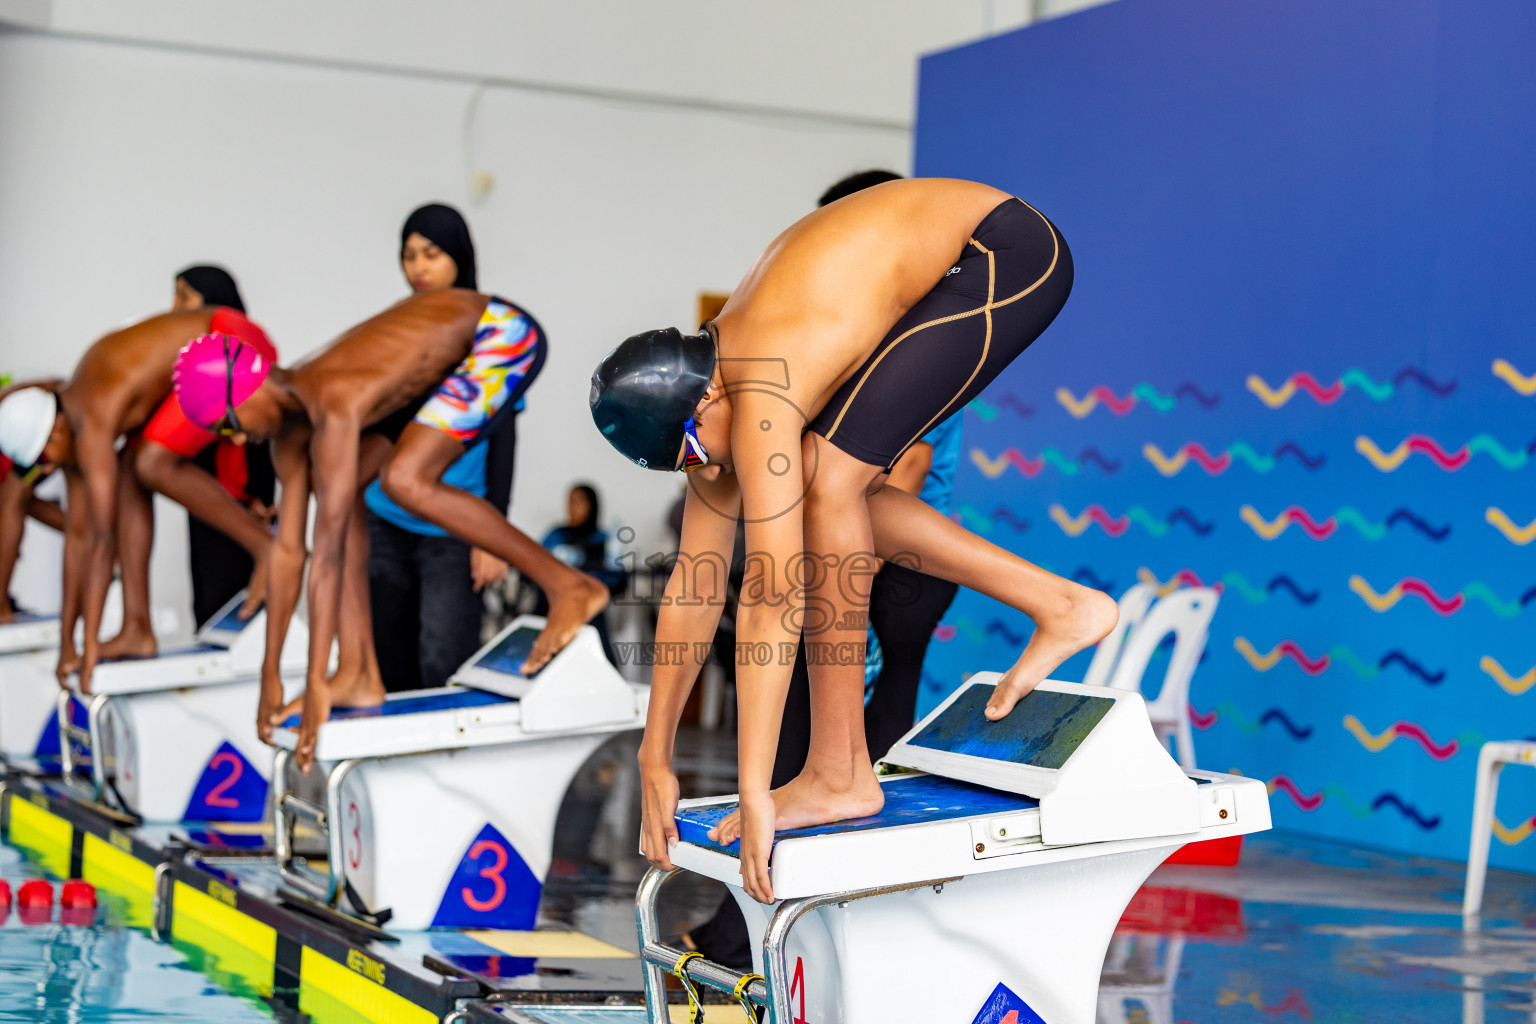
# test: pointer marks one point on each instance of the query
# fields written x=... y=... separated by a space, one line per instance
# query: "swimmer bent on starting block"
x=861 y=327
x=115 y=430
x=400 y=396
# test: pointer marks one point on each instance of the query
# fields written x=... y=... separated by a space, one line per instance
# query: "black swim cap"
x=646 y=389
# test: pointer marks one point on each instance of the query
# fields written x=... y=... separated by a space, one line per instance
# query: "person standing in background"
x=220 y=566
x=425 y=584
x=583 y=545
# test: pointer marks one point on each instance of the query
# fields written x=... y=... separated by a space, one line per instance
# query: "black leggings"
x=426 y=612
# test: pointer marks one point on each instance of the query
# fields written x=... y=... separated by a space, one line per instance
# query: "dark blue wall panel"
x=1255 y=191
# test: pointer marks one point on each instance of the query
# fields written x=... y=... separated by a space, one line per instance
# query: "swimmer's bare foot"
x=132 y=642
x=361 y=689
x=811 y=799
x=343 y=690
x=1084 y=617
x=256 y=589
x=570 y=608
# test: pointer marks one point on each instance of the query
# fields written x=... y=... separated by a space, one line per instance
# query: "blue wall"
x=1254 y=192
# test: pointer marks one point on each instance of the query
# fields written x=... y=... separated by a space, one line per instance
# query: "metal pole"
x=776 y=938
x=335 y=832
x=650 y=935
x=66 y=748
x=94 y=714
x=282 y=840
x=658 y=960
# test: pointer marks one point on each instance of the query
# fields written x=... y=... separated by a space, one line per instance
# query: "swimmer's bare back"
x=124 y=376
x=390 y=359
x=829 y=287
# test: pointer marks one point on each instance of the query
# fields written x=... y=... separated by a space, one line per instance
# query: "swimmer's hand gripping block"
x=1088 y=754
x=578 y=689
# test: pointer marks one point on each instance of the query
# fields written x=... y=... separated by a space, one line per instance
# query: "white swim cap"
x=26 y=421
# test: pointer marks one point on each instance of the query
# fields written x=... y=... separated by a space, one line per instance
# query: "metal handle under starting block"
x=287 y=808
x=771 y=990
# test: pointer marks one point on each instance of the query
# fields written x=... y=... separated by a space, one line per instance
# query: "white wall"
x=118 y=165
x=640 y=153
x=845 y=58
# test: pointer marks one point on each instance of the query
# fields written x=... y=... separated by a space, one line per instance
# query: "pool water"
x=1302 y=932
x=103 y=971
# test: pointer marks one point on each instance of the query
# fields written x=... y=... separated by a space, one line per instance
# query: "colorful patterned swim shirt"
x=508 y=344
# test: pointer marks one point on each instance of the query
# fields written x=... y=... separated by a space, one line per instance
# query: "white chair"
x=1185 y=613
x=1490 y=762
x=1133 y=608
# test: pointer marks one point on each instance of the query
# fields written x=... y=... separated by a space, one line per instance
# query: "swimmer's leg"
x=1068 y=617
x=201 y=495
x=135 y=537
x=14 y=495
x=357 y=682
x=414 y=480
x=838 y=781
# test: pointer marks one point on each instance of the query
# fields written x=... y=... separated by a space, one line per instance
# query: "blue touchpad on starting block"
x=1043 y=730
x=913 y=800
x=509 y=654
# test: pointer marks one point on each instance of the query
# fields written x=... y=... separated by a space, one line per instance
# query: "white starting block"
x=173 y=737
x=29 y=653
x=960 y=902
x=26 y=633
x=440 y=805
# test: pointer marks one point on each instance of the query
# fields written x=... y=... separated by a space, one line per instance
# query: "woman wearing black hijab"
x=206 y=285
x=220 y=566
x=424 y=584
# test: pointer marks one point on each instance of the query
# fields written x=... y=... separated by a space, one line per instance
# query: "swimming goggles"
x=231 y=423
x=694 y=456
x=36 y=471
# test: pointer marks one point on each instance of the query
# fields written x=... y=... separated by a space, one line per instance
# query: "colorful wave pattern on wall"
x=1369 y=638
x=1370 y=635
x=1300 y=366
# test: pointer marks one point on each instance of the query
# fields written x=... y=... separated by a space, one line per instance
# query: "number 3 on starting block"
x=1004 y=1006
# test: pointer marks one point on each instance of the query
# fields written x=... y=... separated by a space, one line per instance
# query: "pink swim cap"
x=205 y=381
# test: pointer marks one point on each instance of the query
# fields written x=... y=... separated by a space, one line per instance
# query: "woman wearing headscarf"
x=220 y=566
x=424 y=584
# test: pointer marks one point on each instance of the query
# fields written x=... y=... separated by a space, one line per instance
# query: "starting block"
x=29 y=653
x=173 y=737
x=962 y=902
x=440 y=805
x=26 y=633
